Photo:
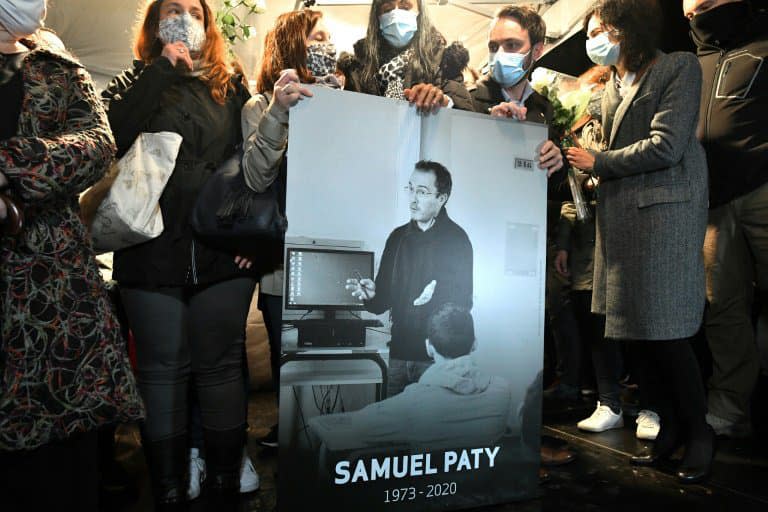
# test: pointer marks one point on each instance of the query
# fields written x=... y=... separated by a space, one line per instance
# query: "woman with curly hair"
x=186 y=301
x=64 y=370
x=403 y=56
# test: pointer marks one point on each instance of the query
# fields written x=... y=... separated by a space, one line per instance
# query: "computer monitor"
x=316 y=278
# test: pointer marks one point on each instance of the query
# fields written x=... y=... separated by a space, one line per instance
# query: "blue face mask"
x=507 y=68
x=398 y=27
x=602 y=51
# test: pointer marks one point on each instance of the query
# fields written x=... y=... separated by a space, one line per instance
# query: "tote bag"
x=123 y=209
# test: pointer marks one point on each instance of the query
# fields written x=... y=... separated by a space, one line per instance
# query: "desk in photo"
x=330 y=366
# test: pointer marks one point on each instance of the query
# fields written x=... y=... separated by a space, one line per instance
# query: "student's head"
x=450 y=332
x=287 y=44
x=193 y=23
x=515 y=42
x=20 y=19
x=623 y=31
x=430 y=187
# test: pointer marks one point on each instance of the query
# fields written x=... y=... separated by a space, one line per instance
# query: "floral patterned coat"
x=63 y=364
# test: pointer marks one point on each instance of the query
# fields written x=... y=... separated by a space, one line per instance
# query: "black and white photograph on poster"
x=413 y=308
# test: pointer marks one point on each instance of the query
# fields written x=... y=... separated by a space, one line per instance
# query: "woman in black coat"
x=187 y=302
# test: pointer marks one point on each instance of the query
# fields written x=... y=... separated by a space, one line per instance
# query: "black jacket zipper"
x=713 y=93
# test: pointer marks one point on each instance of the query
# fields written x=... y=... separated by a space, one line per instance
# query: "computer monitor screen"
x=316 y=278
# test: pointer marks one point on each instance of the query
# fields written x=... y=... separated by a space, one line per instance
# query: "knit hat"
x=22 y=18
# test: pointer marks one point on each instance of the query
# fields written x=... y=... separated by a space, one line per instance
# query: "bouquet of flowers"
x=568 y=98
x=569 y=102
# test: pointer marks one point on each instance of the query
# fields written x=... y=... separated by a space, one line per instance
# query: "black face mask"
x=722 y=24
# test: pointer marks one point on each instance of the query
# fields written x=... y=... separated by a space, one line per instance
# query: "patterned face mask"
x=182 y=28
x=321 y=59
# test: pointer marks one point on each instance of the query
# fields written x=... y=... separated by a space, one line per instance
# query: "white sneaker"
x=196 y=473
x=647 y=425
x=601 y=420
x=249 y=478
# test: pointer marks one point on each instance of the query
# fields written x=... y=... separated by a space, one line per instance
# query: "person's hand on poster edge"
x=288 y=90
x=550 y=158
x=427 y=98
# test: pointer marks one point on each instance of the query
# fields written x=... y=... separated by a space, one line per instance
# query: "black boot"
x=167 y=462
x=223 y=457
x=699 y=452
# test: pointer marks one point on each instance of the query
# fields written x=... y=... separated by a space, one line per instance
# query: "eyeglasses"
x=419 y=192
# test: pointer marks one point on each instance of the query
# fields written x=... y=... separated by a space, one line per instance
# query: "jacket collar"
x=626 y=102
x=441 y=220
x=488 y=90
x=40 y=47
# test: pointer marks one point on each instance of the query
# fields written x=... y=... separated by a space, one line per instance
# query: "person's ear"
x=537 y=51
x=443 y=198
x=430 y=349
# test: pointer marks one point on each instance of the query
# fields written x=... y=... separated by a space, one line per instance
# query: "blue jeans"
x=400 y=373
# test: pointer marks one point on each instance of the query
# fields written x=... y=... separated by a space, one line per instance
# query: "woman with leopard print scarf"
x=404 y=57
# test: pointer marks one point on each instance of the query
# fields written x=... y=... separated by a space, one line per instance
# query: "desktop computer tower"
x=331 y=334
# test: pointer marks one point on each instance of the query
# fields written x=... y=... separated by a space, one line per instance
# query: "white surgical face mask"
x=507 y=69
x=398 y=26
x=603 y=51
x=182 y=28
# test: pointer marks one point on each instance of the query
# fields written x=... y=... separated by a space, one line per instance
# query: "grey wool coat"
x=652 y=205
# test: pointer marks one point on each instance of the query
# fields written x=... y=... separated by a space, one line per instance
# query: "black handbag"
x=229 y=215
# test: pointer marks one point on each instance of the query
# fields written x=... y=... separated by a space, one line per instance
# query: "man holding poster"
x=515 y=43
x=426 y=263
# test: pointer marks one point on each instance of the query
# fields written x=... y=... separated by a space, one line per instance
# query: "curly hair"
x=215 y=61
x=285 y=46
x=639 y=23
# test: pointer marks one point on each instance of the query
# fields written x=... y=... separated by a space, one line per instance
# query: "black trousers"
x=182 y=333
x=61 y=475
x=271 y=307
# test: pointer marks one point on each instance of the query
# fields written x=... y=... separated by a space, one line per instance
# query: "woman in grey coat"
x=651 y=220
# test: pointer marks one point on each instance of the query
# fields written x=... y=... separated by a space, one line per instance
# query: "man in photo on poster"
x=425 y=263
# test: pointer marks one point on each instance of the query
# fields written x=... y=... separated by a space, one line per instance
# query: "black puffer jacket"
x=445 y=71
x=153 y=98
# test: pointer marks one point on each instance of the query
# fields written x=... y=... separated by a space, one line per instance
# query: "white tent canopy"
x=100 y=31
